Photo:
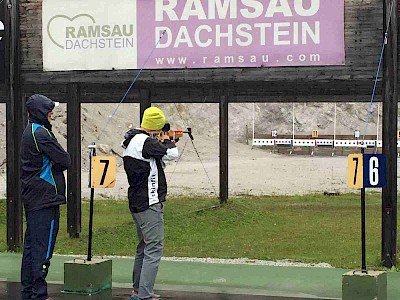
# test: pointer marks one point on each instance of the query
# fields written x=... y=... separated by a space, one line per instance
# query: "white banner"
x=89 y=35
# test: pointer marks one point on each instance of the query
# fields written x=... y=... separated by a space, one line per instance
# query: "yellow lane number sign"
x=355 y=171
x=103 y=172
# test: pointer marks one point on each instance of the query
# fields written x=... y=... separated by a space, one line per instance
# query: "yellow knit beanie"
x=153 y=119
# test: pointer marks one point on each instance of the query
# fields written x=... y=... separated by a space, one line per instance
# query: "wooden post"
x=390 y=102
x=145 y=101
x=3 y=37
x=74 y=208
x=15 y=125
x=223 y=149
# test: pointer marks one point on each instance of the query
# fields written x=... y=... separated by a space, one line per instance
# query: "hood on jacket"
x=38 y=107
x=129 y=135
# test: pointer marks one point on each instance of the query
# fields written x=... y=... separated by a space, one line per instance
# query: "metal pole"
x=247 y=134
x=89 y=257
x=377 y=124
x=293 y=122
x=92 y=153
x=363 y=240
x=334 y=125
x=363 y=244
x=254 y=124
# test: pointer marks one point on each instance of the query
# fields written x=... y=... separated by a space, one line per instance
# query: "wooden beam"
x=15 y=122
x=74 y=208
x=283 y=90
x=223 y=149
x=357 y=68
x=390 y=109
x=248 y=92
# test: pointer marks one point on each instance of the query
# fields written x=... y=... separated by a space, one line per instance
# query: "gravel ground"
x=238 y=261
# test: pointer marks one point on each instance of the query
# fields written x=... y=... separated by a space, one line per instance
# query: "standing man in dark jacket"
x=144 y=166
x=43 y=162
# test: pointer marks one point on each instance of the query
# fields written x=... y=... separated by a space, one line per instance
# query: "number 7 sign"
x=355 y=171
x=103 y=172
x=366 y=171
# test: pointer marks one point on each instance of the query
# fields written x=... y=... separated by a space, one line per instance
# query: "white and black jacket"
x=144 y=167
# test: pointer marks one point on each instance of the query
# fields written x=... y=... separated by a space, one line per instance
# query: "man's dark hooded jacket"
x=43 y=160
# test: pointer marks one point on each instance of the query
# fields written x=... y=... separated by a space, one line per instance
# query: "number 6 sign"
x=104 y=170
x=366 y=171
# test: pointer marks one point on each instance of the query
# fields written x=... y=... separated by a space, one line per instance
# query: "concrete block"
x=87 y=277
x=364 y=286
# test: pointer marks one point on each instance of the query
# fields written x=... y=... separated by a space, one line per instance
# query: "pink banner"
x=240 y=33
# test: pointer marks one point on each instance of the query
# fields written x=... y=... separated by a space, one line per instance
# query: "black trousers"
x=40 y=237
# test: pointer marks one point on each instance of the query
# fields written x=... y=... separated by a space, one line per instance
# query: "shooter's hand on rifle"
x=167 y=133
x=163 y=136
